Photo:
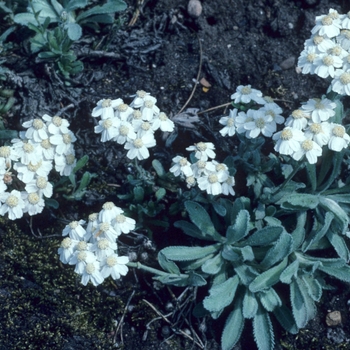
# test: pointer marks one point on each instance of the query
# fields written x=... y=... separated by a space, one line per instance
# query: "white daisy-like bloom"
x=246 y=94
x=339 y=139
x=326 y=64
x=345 y=21
x=26 y=172
x=229 y=123
x=92 y=227
x=274 y=110
x=65 y=163
x=322 y=43
x=105 y=108
x=106 y=230
x=138 y=148
x=92 y=273
x=262 y=123
x=149 y=109
x=123 y=111
x=288 y=140
x=47 y=149
x=346 y=62
x=125 y=131
x=109 y=212
x=143 y=127
x=227 y=186
x=341 y=82
x=63 y=142
x=139 y=99
x=163 y=123
x=13 y=204
x=103 y=247
x=190 y=181
x=203 y=150
x=8 y=154
x=319 y=132
x=135 y=115
x=26 y=150
x=181 y=166
x=338 y=50
x=202 y=167
x=56 y=124
x=114 y=266
x=66 y=249
x=75 y=230
x=34 y=203
x=242 y=119
x=310 y=149
x=108 y=128
x=319 y=110
x=307 y=59
x=41 y=185
x=36 y=130
x=210 y=183
x=297 y=120
x=81 y=256
x=123 y=224
x=221 y=170
x=329 y=25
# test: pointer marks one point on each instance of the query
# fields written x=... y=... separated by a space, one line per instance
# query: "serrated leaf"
x=341 y=273
x=263 y=331
x=299 y=201
x=240 y=229
x=191 y=230
x=268 y=278
x=286 y=320
x=111 y=6
x=298 y=305
x=250 y=304
x=246 y=273
x=76 y=4
x=212 y=266
x=298 y=234
x=313 y=286
x=265 y=236
x=339 y=213
x=338 y=244
x=167 y=264
x=221 y=295
x=290 y=272
x=269 y=299
x=183 y=253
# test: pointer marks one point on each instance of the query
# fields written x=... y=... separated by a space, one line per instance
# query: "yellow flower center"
x=12 y=201
x=286 y=134
x=338 y=131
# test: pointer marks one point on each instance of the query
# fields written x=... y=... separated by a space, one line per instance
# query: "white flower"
x=260 y=124
x=227 y=186
x=325 y=65
x=143 y=127
x=339 y=138
x=92 y=273
x=56 y=124
x=92 y=226
x=123 y=224
x=103 y=247
x=41 y=185
x=319 y=110
x=246 y=94
x=210 y=183
x=13 y=204
x=125 y=132
x=229 y=123
x=105 y=108
x=66 y=249
x=81 y=256
x=115 y=266
x=65 y=163
x=297 y=120
x=190 y=181
x=36 y=130
x=27 y=172
x=139 y=147
x=139 y=99
x=274 y=110
x=310 y=149
x=107 y=128
x=307 y=59
x=341 y=82
x=319 y=132
x=149 y=108
x=75 y=230
x=344 y=39
x=163 y=123
x=221 y=170
x=9 y=154
x=181 y=167
x=123 y=111
x=202 y=167
x=34 y=203
x=288 y=140
x=26 y=150
x=63 y=142
x=109 y=212
x=204 y=150
x=47 y=149
x=106 y=230
x=327 y=25
x=322 y=43
x=346 y=21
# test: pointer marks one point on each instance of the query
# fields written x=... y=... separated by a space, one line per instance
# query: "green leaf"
x=219 y=209
x=265 y=236
x=221 y=295
x=269 y=299
x=81 y=163
x=268 y=278
x=286 y=319
x=160 y=193
x=183 y=253
x=8 y=134
x=212 y=266
x=52 y=203
x=290 y=272
x=339 y=213
x=111 y=6
x=298 y=234
x=233 y=327
x=240 y=229
x=313 y=286
x=236 y=254
x=192 y=230
x=250 y=304
x=299 y=201
x=74 y=31
x=139 y=194
x=263 y=331
x=246 y=273
x=342 y=273
x=167 y=264
x=339 y=245
x=76 y=4
x=158 y=167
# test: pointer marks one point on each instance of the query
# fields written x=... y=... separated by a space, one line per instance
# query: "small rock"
x=194 y=8
x=333 y=318
x=288 y=63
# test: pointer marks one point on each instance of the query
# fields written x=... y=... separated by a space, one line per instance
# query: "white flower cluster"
x=132 y=125
x=255 y=121
x=25 y=165
x=327 y=52
x=94 y=250
x=211 y=176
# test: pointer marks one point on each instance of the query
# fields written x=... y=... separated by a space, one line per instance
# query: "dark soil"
x=231 y=43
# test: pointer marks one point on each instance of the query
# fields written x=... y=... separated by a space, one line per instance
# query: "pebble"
x=194 y=8
x=333 y=318
x=288 y=63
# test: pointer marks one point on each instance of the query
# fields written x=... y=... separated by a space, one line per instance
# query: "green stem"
x=138 y=265
x=289 y=178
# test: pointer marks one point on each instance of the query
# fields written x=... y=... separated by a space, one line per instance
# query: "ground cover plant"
x=258 y=201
